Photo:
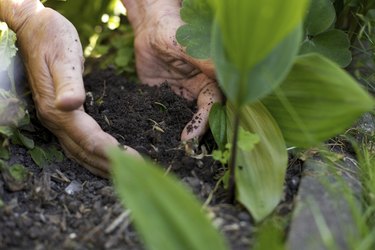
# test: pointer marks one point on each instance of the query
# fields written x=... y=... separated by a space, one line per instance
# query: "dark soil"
x=45 y=215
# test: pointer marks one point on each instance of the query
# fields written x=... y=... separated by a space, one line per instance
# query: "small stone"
x=73 y=206
x=294 y=182
x=72 y=236
x=73 y=188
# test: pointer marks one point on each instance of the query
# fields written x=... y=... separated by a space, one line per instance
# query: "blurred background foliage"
x=357 y=19
x=105 y=33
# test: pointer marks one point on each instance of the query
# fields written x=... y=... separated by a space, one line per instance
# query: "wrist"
x=16 y=12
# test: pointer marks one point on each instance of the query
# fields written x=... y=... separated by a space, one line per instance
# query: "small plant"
x=283 y=97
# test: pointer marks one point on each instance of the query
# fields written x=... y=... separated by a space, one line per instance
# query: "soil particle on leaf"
x=64 y=206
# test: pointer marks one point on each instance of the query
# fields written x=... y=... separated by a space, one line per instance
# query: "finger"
x=84 y=141
x=66 y=67
x=199 y=123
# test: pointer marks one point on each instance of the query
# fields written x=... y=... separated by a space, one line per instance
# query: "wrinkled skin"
x=52 y=54
x=53 y=58
x=160 y=58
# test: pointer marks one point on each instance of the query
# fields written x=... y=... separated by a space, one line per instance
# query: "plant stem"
x=232 y=161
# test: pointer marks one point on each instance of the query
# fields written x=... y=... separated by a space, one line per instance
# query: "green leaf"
x=6 y=131
x=260 y=172
x=247 y=140
x=18 y=172
x=320 y=17
x=195 y=35
x=39 y=156
x=251 y=29
x=316 y=101
x=8 y=48
x=4 y=153
x=333 y=44
x=22 y=140
x=270 y=235
x=165 y=214
x=240 y=87
x=55 y=154
x=124 y=57
x=44 y=156
x=218 y=124
x=221 y=156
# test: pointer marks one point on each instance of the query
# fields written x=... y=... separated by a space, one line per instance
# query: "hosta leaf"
x=195 y=35
x=333 y=44
x=262 y=78
x=259 y=172
x=251 y=29
x=218 y=124
x=166 y=215
x=320 y=17
x=316 y=101
x=7 y=48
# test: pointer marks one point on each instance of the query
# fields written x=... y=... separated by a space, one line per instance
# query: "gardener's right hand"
x=52 y=54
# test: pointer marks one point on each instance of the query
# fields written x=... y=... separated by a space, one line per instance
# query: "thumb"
x=199 y=123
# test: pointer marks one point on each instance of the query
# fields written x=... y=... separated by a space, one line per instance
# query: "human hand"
x=160 y=58
x=52 y=54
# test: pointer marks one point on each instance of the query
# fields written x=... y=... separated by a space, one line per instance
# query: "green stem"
x=233 y=156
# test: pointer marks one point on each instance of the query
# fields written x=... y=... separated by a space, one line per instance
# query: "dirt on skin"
x=63 y=206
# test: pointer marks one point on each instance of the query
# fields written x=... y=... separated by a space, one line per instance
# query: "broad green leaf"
x=218 y=124
x=320 y=17
x=241 y=88
x=333 y=44
x=165 y=214
x=259 y=172
x=195 y=35
x=251 y=29
x=316 y=101
x=39 y=156
x=8 y=48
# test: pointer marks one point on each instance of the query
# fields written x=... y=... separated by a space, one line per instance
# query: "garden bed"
x=62 y=205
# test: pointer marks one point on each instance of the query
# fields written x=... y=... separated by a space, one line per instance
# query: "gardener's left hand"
x=160 y=58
